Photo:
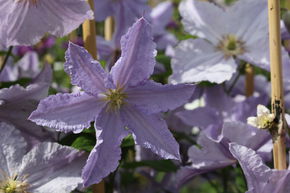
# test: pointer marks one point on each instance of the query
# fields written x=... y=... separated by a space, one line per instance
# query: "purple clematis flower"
x=225 y=35
x=215 y=153
x=25 y=22
x=120 y=102
x=260 y=178
x=47 y=167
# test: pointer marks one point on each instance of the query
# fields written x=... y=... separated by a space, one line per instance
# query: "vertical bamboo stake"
x=109 y=28
x=249 y=86
x=279 y=149
x=72 y=35
x=89 y=36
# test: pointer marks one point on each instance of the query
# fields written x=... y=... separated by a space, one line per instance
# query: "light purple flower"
x=17 y=103
x=25 y=22
x=120 y=102
x=224 y=36
x=215 y=153
x=260 y=178
x=47 y=167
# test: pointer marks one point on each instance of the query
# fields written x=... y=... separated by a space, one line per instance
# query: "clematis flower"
x=25 y=22
x=225 y=35
x=47 y=167
x=264 y=118
x=17 y=103
x=215 y=153
x=120 y=102
x=260 y=178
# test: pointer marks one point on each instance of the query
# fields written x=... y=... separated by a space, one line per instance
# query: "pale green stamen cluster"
x=116 y=98
x=230 y=45
x=13 y=184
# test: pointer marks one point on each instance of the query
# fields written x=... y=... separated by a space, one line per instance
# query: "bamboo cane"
x=249 y=86
x=89 y=36
x=109 y=28
x=279 y=149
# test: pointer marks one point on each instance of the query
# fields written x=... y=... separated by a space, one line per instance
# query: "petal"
x=211 y=156
x=197 y=60
x=26 y=24
x=262 y=110
x=154 y=97
x=137 y=59
x=60 y=164
x=103 y=9
x=200 y=117
x=203 y=19
x=161 y=15
x=84 y=71
x=105 y=156
x=67 y=112
x=254 y=169
x=150 y=131
x=12 y=148
x=252 y=137
x=29 y=65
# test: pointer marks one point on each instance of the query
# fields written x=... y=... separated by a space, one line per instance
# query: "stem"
x=6 y=58
x=109 y=28
x=89 y=34
x=249 y=86
x=279 y=149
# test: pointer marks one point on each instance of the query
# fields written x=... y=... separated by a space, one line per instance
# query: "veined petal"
x=203 y=19
x=197 y=60
x=105 y=156
x=60 y=164
x=85 y=72
x=154 y=97
x=27 y=23
x=67 y=112
x=161 y=16
x=12 y=148
x=103 y=9
x=150 y=131
x=260 y=178
x=137 y=59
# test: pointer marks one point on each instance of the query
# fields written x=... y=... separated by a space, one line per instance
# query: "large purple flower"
x=47 y=167
x=25 y=22
x=260 y=178
x=121 y=102
x=224 y=36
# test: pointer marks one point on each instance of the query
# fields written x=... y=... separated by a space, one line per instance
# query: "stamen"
x=13 y=184
x=116 y=99
x=230 y=45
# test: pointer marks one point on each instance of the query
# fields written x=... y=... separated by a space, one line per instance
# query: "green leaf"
x=84 y=142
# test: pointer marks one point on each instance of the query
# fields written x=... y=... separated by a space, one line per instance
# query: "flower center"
x=230 y=45
x=14 y=184
x=115 y=97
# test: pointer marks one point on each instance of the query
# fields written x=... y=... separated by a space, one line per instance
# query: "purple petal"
x=103 y=9
x=60 y=164
x=105 y=156
x=67 y=112
x=252 y=137
x=137 y=59
x=260 y=178
x=154 y=97
x=85 y=72
x=150 y=131
x=12 y=148
x=29 y=65
x=161 y=16
x=25 y=23
x=197 y=60
x=200 y=117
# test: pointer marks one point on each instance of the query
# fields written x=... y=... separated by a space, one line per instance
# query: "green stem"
x=6 y=58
